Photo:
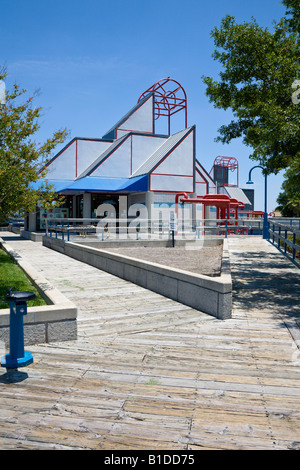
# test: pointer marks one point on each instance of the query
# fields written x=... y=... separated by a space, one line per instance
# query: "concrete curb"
x=212 y=295
x=56 y=321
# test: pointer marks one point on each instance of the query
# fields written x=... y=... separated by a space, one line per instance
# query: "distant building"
x=225 y=172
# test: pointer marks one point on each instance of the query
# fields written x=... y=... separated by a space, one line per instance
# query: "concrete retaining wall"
x=56 y=321
x=212 y=295
x=33 y=236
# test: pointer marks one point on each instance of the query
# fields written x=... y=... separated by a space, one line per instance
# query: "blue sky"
x=92 y=60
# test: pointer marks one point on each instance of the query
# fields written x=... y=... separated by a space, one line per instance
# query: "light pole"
x=266 y=225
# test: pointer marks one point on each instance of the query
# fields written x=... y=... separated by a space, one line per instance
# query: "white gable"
x=118 y=163
x=143 y=147
x=88 y=151
x=180 y=161
x=140 y=120
x=75 y=158
x=63 y=166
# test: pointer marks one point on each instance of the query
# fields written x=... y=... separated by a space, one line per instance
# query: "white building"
x=131 y=163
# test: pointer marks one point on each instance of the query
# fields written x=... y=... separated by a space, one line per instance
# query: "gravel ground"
x=204 y=260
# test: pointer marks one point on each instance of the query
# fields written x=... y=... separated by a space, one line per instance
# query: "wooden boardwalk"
x=147 y=373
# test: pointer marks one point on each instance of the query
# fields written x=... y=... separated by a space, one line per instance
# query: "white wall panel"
x=120 y=133
x=117 y=164
x=171 y=183
x=201 y=184
x=181 y=160
x=213 y=190
x=201 y=189
x=64 y=166
x=143 y=147
x=141 y=120
x=88 y=151
x=200 y=178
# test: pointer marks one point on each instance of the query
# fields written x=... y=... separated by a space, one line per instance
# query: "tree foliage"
x=292 y=19
x=289 y=197
x=21 y=158
x=257 y=82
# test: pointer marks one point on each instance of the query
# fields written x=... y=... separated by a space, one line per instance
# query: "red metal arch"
x=169 y=98
x=228 y=162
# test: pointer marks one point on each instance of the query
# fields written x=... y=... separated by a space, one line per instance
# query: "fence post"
x=285 y=237
x=294 y=249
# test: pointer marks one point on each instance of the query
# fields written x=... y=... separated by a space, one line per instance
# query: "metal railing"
x=137 y=228
x=290 y=221
x=286 y=237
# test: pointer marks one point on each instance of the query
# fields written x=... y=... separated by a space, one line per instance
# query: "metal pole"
x=266 y=223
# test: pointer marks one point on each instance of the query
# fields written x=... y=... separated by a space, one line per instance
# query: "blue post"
x=285 y=237
x=294 y=249
x=17 y=357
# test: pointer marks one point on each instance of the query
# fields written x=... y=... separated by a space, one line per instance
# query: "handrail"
x=161 y=226
x=277 y=239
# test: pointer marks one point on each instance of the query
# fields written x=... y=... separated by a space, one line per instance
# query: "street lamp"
x=266 y=225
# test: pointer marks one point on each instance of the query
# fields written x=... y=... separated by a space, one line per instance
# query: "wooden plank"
x=147 y=373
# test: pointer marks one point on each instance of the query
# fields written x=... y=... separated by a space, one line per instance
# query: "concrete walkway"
x=149 y=373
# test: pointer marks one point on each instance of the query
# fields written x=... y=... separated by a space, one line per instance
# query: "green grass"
x=11 y=275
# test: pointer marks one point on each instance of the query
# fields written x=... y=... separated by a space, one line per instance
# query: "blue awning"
x=94 y=184
x=59 y=185
x=140 y=183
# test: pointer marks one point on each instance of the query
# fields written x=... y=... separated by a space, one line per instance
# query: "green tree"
x=259 y=67
x=21 y=158
x=292 y=19
x=289 y=197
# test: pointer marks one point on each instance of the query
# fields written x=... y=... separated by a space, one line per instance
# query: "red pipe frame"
x=222 y=202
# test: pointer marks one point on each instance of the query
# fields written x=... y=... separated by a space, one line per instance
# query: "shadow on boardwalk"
x=266 y=281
